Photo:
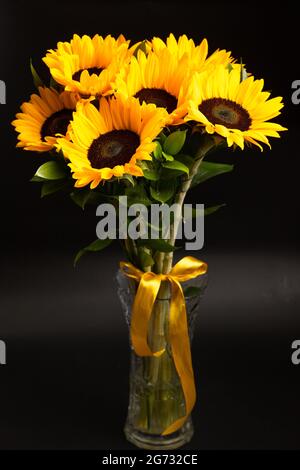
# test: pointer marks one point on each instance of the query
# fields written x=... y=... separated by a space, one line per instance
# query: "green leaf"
x=176 y=165
x=166 y=175
x=162 y=138
x=50 y=187
x=141 y=47
x=52 y=83
x=151 y=175
x=36 y=79
x=187 y=160
x=191 y=291
x=85 y=196
x=191 y=212
x=80 y=197
x=37 y=179
x=212 y=209
x=162 y=192
x=158 y=245
x=129 y=178
x=157 y=152
x=145 y=258
x=95 y=197
x=96 y=245
x=167 y=157
x=51 y=171
x=174 y=142
x=209 y=170
x=137 y=195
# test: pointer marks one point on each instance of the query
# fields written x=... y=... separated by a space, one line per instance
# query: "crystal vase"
x=156 y=398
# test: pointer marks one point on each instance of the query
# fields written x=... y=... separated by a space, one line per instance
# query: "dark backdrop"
x=65 y=382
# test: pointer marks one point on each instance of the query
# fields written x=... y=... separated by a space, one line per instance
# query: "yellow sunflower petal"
x=93 y=156
x=88 y=65
x=237 y=110
x=44 y=117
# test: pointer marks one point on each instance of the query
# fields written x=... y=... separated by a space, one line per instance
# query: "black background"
x=65 y=383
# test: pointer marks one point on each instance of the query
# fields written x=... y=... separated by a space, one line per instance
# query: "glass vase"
x=156 y=398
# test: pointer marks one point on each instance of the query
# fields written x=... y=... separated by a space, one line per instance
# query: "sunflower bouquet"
x=140 y=120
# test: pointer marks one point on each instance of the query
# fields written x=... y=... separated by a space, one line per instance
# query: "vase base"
x=157 y=441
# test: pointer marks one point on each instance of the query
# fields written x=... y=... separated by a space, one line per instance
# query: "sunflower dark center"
x=159 y=97
x=113 y=148
x=226 y=112
x=91 y=70
x=57 y=123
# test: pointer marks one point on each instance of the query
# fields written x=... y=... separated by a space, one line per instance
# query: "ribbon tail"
x=180 y=343
x=141 y=312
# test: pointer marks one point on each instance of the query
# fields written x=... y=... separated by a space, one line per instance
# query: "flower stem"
x=208 y=143
x=163 y=392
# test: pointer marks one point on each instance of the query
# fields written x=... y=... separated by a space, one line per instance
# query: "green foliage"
x=167 y=157
x=162 y=138
x=36 y=78
x=96 y=245
x=161 y=192
x=141 y=47
x=167 y=175
x=167 y=164
x=174 y=142
x=209 y=170
x=52 y=170
x=187 y=160
x=192 y=212
x=145 y=257
x=151 y=175
x=54 y=84
x=129 y=178
x=157 y=152
x=50 y=187
x=80 y=197
x=176 y=165
x=137 y=195
x=213 y=209
x=157 y=245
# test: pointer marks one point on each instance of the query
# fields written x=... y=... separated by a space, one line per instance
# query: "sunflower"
x=158 y=78
x=198 y=58
x=87 y=65
x=237 y=110
x=109 y=142
x=43 y=118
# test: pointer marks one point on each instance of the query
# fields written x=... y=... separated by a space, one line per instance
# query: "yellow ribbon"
x=149 y=284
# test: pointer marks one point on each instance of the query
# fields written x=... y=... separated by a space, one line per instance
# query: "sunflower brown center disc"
x=57 y=123
x=91 y=70
x=113 y=148
x=159 y=97
x=226 y=112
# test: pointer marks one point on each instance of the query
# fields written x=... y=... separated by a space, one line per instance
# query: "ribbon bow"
x=149 y=284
